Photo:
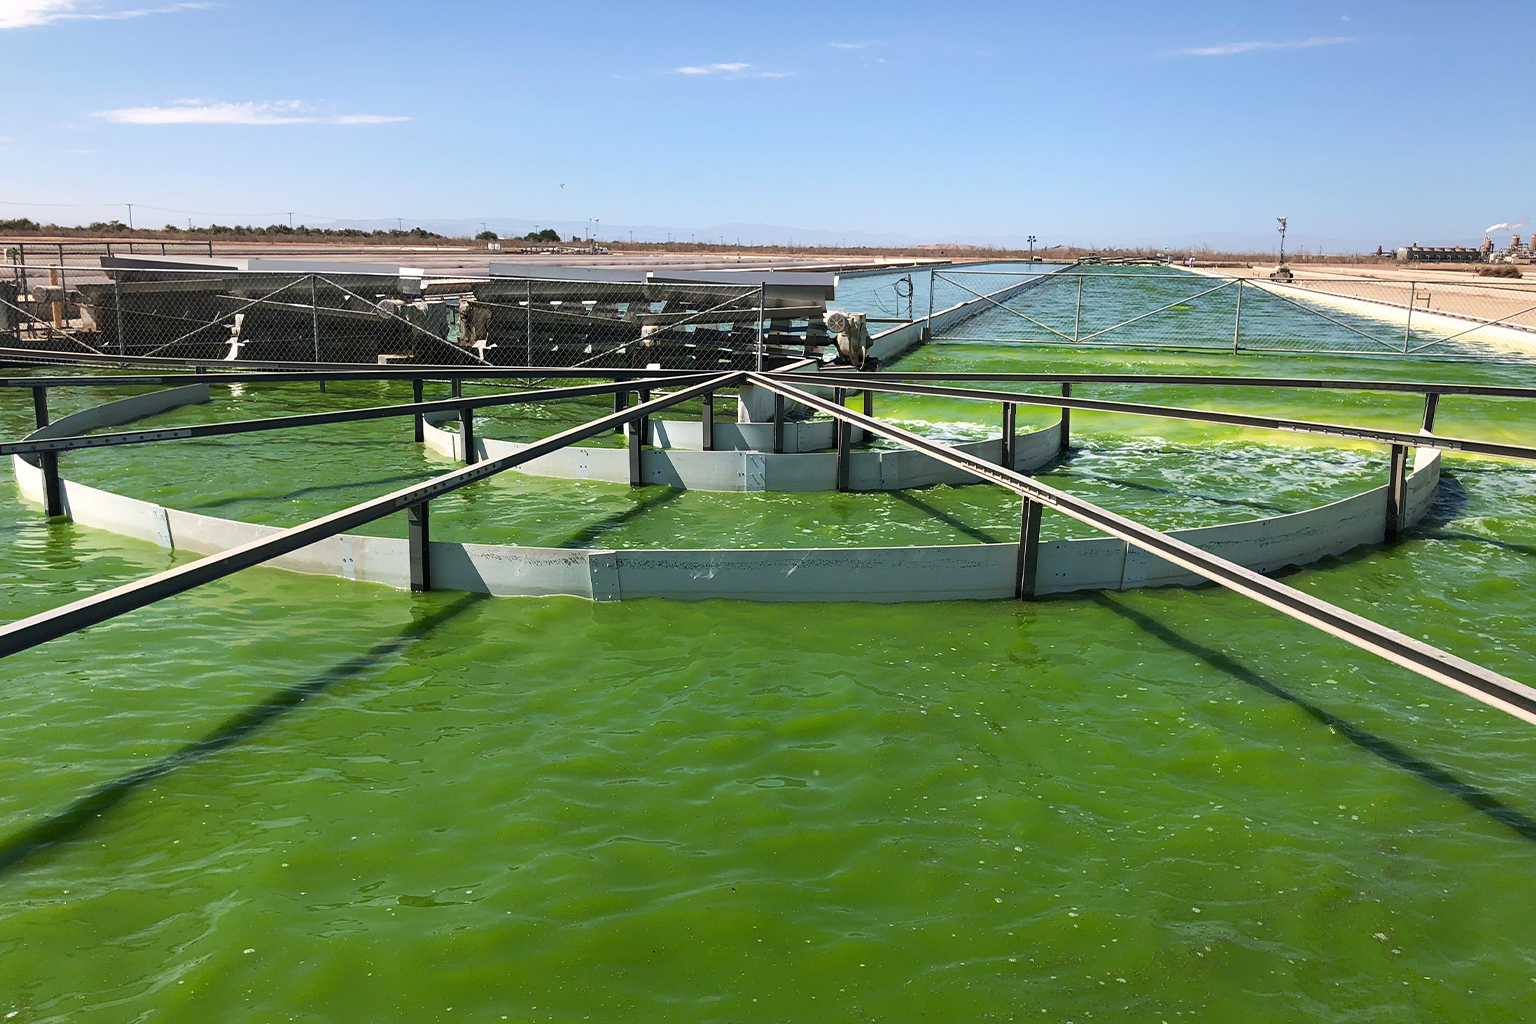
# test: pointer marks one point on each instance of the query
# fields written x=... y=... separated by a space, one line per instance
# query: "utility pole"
x=399 y=223
x=130 y=216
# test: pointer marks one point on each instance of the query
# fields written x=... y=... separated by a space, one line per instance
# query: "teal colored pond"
x=283 y=797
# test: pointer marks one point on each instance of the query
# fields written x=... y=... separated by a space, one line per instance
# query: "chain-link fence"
x=332 y=316
x=1159 y=307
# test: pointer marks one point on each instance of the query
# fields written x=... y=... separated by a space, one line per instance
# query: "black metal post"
x=645 y=421
x=1397 y=491
x=48 y=462
x=1010 y=433
x=1431 y=406
x=707 y=423
x=620 y=403
x=458 y=387
x=467 y=435
x=844 y=433
x=778 y=424
x=872 y=365
x=418 y=532
x=636 y=467
x=418 y=388
x=1066 y=420
x=1028 y=566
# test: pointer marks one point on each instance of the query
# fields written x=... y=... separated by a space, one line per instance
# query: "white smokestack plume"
x=1516 y=226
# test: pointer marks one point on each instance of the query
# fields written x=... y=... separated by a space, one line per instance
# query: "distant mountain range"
x=773 y=234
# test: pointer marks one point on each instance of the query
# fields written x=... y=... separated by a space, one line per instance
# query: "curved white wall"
x=926 y=573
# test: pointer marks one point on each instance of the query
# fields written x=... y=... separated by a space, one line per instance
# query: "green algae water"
x=282 y=797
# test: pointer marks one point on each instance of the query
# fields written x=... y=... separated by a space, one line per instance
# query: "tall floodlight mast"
x=1282 y=221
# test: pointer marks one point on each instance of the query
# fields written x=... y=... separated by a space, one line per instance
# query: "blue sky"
x=1107 y=123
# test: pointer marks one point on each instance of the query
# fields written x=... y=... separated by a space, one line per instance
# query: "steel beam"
x=1371 y=434
x=1480 y=683
x=707 y=422
x=1066 y=419
x=418 y=395
x=418 y=533
x=1010 y=435
x=77 y=615
x=1397 y=491
x=467 y=434
x=843 y=432
x=1431 y=406
x=318 y=418
x=1028 y=568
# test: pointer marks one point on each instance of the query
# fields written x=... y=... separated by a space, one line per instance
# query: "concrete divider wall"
x=922 y=573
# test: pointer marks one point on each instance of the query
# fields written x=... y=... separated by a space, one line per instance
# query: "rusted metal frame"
x=1492 y=688
x=50 y=625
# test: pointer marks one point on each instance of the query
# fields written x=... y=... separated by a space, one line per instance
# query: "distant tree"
x=19 y=224
x=547 y=235
x=487 y=236
x=109 y=227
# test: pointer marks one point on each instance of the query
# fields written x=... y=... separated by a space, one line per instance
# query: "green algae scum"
x=286 y=797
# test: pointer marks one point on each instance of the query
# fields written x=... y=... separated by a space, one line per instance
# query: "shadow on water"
x=589 y=534
x=1176 y=493
x=1403 y=760
x=948 y=520
x=69 y=823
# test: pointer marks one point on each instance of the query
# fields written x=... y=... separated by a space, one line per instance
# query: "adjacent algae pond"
x=294 y=798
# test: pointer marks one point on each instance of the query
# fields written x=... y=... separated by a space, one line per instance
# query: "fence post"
x=1027 y=568
x=762 y=291
x=928 y=327
x=1077 y=318
x=1413 y=298
x=844 y=436
x=1431 y=406
x=707 y=422
x=1237 y=323
x=1010 y=432
x=620 y=403
x=117 y=300
x=314 y=313
x=418 y=533
x=1066 y=420
x=417 y=394
x=1397 y=491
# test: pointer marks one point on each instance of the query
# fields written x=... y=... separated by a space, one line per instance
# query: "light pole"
x=1282 y=221
x=1031 y=246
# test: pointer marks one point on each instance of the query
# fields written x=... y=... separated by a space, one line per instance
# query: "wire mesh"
x=1159 y=307
x=225 y=314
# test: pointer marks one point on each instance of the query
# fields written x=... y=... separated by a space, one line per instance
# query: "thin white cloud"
x=850 y=46
x=735 y=69
x=1228 y=49
x=201 y=112
x=30 y=13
